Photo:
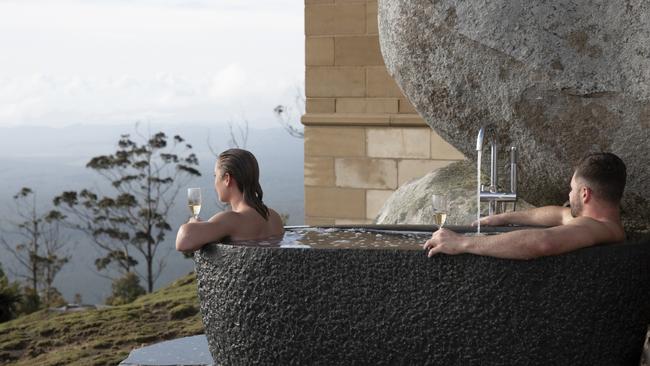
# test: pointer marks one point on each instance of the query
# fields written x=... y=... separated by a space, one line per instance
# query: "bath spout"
x=496 y=199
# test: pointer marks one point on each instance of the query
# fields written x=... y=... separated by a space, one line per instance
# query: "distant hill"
x=52 y=160
x=102 y=337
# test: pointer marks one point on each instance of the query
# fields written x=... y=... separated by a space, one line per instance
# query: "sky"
x=68 y=62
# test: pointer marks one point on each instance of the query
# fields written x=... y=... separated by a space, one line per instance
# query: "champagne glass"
x=440 y=209
x=194 y=201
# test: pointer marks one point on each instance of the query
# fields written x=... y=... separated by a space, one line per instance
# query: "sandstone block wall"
x=363 y=138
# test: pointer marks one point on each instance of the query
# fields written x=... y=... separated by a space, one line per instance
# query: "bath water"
x=345 y=238
x=337 y=238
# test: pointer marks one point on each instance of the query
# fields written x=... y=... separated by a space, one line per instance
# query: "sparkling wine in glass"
x=194 y=201
x=440 y=209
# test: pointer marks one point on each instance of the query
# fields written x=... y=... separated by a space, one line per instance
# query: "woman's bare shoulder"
x=274 y=214
x=276 y=221
x=225 y=217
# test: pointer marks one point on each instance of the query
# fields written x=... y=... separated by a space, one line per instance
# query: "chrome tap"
x=495 y=198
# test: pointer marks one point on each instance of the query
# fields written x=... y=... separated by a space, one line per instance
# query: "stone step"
x=187 y=351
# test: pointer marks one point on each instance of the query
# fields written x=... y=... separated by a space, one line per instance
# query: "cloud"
x=151 y=14
x=46 y=100
x=230 y=82
x=103 y=61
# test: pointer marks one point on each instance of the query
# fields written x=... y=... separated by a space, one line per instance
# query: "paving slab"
x=187 y=351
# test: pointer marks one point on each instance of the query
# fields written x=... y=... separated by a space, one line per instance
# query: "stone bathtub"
x=318 y=304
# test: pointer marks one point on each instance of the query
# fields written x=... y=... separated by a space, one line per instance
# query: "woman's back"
x=248 y=224
x=243 y=224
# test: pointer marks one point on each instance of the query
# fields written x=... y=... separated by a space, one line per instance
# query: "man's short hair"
x=605 y=174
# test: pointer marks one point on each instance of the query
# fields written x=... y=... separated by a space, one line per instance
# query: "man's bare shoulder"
x=603 y=231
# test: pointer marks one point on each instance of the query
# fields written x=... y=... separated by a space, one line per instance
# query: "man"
x=594 y=217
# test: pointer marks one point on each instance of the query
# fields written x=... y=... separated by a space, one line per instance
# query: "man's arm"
x=524 y=244
x=542 y=216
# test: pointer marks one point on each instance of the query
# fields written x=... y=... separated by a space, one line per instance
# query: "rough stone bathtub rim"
x=494 y=306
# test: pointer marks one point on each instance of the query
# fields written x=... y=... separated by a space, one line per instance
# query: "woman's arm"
x=195 y=234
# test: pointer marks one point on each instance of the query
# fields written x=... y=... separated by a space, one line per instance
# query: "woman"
x=236 y=180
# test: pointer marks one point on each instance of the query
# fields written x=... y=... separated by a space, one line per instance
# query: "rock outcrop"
x=557 y=78
x=411 y=203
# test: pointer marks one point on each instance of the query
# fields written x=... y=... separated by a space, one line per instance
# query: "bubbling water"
x=344 y=238
x=337 y=238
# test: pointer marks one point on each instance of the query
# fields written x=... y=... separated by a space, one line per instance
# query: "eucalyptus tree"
x=10 y=298
x=130 y=223
x=37 y=246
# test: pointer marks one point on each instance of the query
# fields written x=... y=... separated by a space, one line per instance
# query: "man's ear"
x=586 y=194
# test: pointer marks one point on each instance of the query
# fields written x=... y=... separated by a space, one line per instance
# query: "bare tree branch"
x=289 y=117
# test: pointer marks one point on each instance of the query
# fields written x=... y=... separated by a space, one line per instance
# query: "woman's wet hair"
x=605 y=173
x=242 y=166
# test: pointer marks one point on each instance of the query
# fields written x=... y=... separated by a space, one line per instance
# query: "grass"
x=102 y=337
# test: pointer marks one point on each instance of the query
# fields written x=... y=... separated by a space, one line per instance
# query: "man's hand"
x=444 y=241
x=192 y=220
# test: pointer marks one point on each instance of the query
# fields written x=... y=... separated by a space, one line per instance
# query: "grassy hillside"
x=102 y=337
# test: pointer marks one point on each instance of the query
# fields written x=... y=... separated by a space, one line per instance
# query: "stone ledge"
x=362 y=119
x=182 y=351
